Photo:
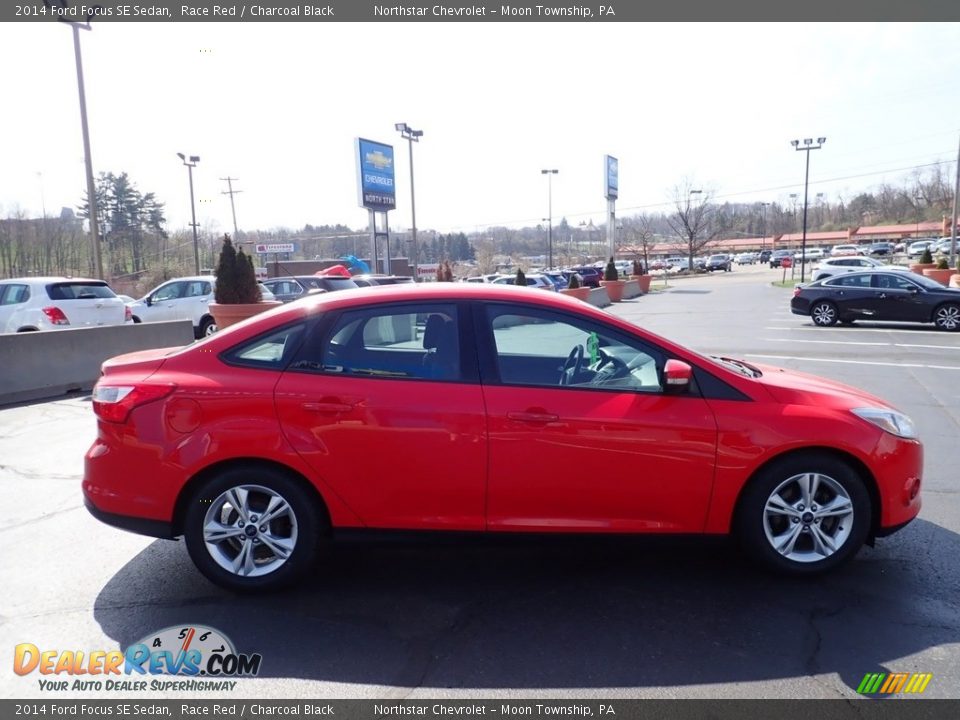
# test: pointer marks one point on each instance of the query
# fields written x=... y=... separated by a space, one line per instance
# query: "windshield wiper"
x=747 y=369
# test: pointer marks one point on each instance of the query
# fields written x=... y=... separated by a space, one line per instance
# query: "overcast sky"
x=278 y=106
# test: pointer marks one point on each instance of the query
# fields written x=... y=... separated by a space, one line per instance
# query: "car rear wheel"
x=253 y=529
x=804 y=514
x=824 y=313
x=947 y=317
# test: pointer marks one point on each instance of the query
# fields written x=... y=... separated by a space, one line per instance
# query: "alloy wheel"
x=824 y=314
x=808 y=517
x=947 y=317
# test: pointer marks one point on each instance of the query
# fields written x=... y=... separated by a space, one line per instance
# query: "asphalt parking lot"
x=502 y=618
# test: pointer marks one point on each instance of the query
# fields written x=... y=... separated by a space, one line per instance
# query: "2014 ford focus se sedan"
x=421 y=407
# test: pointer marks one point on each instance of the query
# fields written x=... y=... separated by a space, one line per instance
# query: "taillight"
x=127 y=314
x=113 y=403
x=55 y=315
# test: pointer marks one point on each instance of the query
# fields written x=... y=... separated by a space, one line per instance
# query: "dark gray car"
x=290 y=288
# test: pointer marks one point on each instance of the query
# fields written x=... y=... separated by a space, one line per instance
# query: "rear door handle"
x=327 y=407
x=533 y=417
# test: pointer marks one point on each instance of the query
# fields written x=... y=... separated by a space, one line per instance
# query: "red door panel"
x=402 y=454
x=565 y=459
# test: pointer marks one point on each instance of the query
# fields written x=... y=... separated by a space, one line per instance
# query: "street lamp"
x=806 y=147
x=549 y=174
x=191 y=164
x=412 y=136
x=763 y=225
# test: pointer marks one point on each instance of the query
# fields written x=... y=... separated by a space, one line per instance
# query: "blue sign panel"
x=375 y=175
x=612 y=167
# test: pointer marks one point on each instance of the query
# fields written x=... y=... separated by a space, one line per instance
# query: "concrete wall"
x=631 y=289
x=599 y=297
x=37 y=365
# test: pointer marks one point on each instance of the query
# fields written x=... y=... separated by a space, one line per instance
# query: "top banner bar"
x=458 y=11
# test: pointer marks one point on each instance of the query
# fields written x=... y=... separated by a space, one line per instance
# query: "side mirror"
x=148 y=300
x=677 y=375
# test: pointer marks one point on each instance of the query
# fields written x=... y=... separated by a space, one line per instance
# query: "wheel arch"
x=869 y=481
x=189 y=488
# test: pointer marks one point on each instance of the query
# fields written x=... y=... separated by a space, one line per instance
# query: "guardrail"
x=38 y=365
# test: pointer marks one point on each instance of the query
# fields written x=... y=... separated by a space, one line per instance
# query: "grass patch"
x=785 y=283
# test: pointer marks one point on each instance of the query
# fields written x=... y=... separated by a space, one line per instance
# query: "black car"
x=878 y=295
x=764 y=256
x=589 y=275
x=290 y=288
x=882 y=248
x=719 y=262
x=777 y=255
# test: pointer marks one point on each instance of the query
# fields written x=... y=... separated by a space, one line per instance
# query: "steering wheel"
x=572 y=365
x=619 y=368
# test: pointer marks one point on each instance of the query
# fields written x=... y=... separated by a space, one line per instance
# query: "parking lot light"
x=806 y=147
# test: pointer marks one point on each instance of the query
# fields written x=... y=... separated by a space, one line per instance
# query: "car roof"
x=43 y=280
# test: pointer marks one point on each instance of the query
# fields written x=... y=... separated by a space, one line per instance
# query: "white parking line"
x=854 y=342
x=811 y=328
x=826 y=342
x=853 y=362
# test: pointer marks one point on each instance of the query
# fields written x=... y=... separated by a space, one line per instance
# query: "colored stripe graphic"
x=894 y=683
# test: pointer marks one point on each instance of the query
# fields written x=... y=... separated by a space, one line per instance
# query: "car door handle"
x=533 y=417
x=327 y=407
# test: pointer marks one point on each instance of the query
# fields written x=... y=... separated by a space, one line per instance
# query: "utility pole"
x=231 y=192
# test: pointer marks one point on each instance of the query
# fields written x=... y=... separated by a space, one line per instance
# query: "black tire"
x=208 y=326
x=824 y=313
x=836 y=478
x=136 y=320
x=302 y=525
x=947 y=317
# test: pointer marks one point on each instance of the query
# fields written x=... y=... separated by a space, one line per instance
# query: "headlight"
x=895 y=423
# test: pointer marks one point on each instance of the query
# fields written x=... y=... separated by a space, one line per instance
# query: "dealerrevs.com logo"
x=194 y=651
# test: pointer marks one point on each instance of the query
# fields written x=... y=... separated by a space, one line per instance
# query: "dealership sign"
x=612 y=176
x=375 y=175
x=264 y=248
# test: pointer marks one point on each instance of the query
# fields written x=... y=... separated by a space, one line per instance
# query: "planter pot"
x=941 y=276
x=918 y=268
x=614 y=289
x=580 y=293
x=644 y=281
x=227 y=315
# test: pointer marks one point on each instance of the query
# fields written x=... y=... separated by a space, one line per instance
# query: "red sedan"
x=421 y=407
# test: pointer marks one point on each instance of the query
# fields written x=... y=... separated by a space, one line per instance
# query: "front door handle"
x=327 y=407
x=533 y=417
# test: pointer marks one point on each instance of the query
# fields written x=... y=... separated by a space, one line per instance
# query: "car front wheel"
x=804 y=514
x=208 y=326
x=824 y=314
x=253 y=529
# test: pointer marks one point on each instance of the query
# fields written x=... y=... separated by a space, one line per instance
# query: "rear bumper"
x=141 y=526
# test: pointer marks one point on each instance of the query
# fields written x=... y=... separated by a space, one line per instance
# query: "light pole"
x=806 y=147
x=191 y=164
x=412 y=136
x=549 y=174
x=763 y=226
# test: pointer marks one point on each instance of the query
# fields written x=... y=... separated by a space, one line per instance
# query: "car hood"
x=796 y=388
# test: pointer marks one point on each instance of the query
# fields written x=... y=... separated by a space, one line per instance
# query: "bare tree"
x=693 y=218
x=638 y=232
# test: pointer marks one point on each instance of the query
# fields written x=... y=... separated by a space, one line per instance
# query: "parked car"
x=58 y=303
x=290 y=288
x=845 y=250
x=534 y=280
x=558 y=279
x=589 y=275
x=811 y=253
x=249 y=438
x=374 y=279
x=943 y=246
x=838 y=265
x=719 y=262
x=881 y=248
x=916 y=249
x=764 y=256
x=747 y=258
x=879 y=295
x=488 y=278
x=778 y=255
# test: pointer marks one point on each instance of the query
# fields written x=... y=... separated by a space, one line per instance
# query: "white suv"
x=836 y=266
x=183 y=298
x=58 y=303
